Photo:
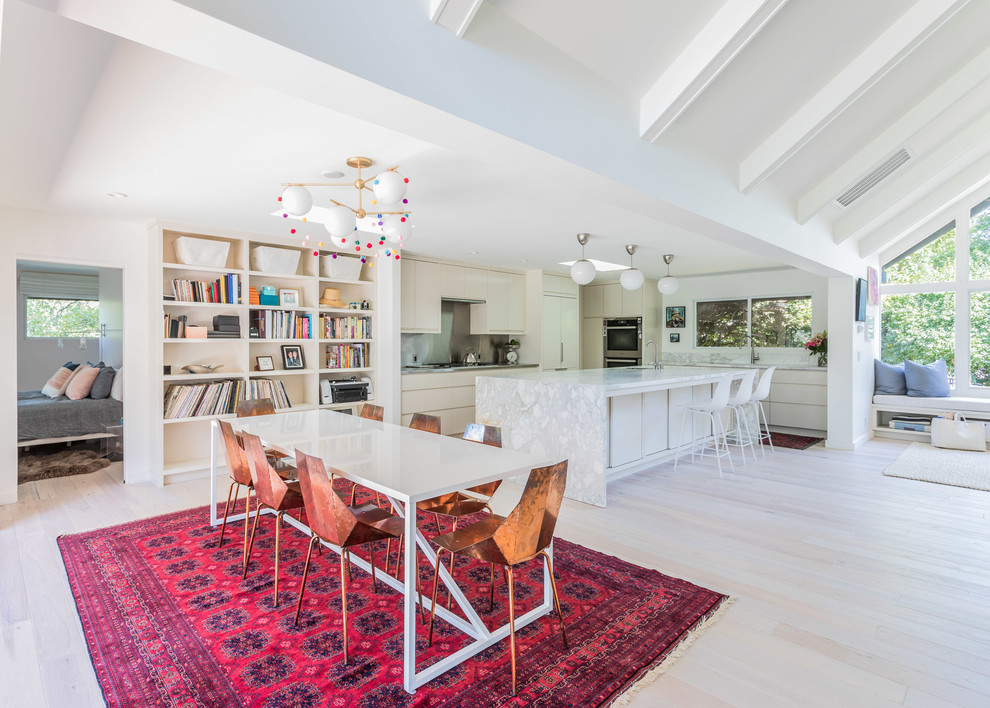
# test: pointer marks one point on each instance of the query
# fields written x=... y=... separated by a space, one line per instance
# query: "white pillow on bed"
x=117 y=388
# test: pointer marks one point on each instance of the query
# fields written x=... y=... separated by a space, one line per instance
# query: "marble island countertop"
x=730 y=365
x=621 y=379
x=472 y=367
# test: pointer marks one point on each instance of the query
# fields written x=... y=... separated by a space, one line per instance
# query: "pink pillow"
x=59 y=381
x=80 y=384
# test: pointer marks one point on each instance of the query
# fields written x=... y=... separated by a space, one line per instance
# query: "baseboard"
x=10 y=498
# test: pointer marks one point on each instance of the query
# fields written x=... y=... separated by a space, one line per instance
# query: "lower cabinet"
x=798 y=399
x=637 y=426
x=449 y=396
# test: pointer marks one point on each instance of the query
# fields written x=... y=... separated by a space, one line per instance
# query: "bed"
x=41 y=419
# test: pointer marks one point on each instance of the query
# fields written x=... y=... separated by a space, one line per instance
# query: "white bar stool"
x=742 y=433
x=760 y=394
x=712 y=409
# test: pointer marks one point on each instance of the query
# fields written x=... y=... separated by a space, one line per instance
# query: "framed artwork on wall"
x=873 y=286
x=676 y=317
x=675 y=336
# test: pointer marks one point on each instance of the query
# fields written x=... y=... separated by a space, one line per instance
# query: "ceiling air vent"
x=884 y=170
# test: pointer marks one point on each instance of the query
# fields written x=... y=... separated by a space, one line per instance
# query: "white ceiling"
x=100 y=112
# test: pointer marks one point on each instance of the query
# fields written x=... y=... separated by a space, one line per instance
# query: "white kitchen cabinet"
x=452 y=280
x=504 y=310
x=592 y=301
x=559 y=285
x=612 y=300
x=798 y=399
x=475 y=283
x=420 y=296
x=592 y=343
x=561 y=332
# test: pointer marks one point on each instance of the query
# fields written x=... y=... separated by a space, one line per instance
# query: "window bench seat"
x=884 y=406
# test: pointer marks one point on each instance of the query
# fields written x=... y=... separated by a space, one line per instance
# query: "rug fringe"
x=656 y=672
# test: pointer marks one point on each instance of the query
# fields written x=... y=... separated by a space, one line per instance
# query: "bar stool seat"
x=712 y=409
x=741 y=433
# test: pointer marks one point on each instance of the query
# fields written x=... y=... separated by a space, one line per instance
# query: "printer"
x=343 y=391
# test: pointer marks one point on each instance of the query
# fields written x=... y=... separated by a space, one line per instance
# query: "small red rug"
x=793 y=442
x=169 y=622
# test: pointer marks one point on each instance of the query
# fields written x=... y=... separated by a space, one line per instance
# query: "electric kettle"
x=471 y=355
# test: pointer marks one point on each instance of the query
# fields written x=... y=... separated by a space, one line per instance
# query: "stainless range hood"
x=468 y=300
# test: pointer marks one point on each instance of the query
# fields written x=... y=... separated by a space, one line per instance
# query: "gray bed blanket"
x=39 y=416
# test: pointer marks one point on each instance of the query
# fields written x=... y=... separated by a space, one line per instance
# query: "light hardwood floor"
x=851 y=588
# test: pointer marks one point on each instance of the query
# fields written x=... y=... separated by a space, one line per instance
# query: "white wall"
x=38 y=236
x=112 y=315
x=850 y=367
x=776 y=283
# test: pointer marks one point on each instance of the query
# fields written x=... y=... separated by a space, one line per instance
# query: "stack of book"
x=225 y=289
x=916 y=423
x=175 y=327
x=192 y=400
x=347 y=356
x=225 y=327
x=253 y=297
x=345 y=327
x=268 y=388
x=281 y=324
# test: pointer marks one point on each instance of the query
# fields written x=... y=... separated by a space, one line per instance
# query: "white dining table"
x=406 y=466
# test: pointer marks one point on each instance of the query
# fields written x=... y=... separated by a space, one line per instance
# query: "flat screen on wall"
x=861 y=300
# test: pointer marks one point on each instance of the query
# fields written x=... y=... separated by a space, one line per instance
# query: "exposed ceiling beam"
x=454 y=15
x=965 y=145
x=972 y=179
x=899 y=40
x=971 y=79
x=724 y=36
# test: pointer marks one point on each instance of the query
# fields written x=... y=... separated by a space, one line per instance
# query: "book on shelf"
x=175 y=327
x=213 y=334
x=918 y=427
x=347 y=356
x=218 y=397
x=226 y=290
x=926 y=419
x=345 y=327
x=281 y=324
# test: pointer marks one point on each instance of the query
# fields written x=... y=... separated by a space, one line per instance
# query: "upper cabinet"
x=555 y=284
x=421 y=285
x=612 y=300
x=458 y=281
x=504 y=310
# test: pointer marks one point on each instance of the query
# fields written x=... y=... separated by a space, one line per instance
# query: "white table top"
x=406 y=464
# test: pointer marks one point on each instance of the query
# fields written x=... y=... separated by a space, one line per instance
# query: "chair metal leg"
x=371 y=555
x=302 y=587
x=512 y=630
x=254 y=530
x=343 y=601
x=436 y=519
x=226 y=508
x=433 y=604
x=491 y=590
x=556 y=598
x=278 y=536
x=450 y=595
x=247 y=517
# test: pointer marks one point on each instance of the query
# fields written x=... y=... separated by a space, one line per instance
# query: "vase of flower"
x=819 y=345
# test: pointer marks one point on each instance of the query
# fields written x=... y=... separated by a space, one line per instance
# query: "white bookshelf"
x=185 y=442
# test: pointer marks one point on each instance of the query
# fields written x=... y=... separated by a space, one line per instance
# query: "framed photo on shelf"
x=676 y=317
x=292 y=356
x=675 y=336
x=264 y=363
x=288 y=298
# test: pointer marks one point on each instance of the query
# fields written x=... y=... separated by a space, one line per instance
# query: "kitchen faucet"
x=753 y=356
x=656 y=353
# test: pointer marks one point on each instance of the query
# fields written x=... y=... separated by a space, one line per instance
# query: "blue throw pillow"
x=888 y=378
x=931 y=381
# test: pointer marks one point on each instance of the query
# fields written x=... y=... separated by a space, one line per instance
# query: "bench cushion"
x=935 y=404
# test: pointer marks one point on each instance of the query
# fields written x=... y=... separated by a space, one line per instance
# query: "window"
x=772 y=321
x=936 y=300
x=49 y=317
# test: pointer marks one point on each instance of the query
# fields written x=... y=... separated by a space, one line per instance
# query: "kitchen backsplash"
x=455 y=336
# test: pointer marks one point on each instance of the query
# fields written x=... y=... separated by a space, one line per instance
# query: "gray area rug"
x=959 y=468
x=43 y=463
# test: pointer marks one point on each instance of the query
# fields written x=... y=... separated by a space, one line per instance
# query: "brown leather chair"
x=427 y=423
x=240 y=475
x=372 y=412
x=265 y=406
x=271 y=492
x=333 y=522
x=510 y=540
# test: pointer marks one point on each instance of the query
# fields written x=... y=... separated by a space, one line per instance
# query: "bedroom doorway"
x=69 y=350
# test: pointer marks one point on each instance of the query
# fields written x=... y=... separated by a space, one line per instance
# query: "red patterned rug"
x=793 y=442
x=169 y=622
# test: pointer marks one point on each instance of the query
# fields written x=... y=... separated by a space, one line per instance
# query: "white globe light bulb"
x=583 y=272
x=340 y=221
x=389 y=187
x=668 y=285
x=405 y=231
x=391 y=228
x=631 y=279
x=297 y=200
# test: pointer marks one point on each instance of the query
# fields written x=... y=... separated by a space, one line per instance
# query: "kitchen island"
x=608 y=423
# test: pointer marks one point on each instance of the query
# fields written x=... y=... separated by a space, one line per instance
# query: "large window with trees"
x=935 y=301
x=771 y=321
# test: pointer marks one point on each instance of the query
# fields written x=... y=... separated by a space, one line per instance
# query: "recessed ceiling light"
x=117 y=195
x=523 y=260
x=600 y=266
x=332 y=174
x=472 y=253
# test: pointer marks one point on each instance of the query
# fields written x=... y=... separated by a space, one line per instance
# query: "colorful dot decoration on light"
x=316 y=253
x=406 y=180
x=285 y=216
x=405 y=201
x=292 y=231
x=402 y=219
x=280 y=198
x=363 y=259
x=321 y=244
x=304 y=218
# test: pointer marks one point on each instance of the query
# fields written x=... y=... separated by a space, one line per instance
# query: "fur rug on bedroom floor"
x=50 y=461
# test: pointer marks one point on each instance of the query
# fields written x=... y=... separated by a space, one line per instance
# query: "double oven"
x=623 y=338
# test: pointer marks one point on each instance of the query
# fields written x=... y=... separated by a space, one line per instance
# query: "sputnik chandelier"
x=381 y=230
